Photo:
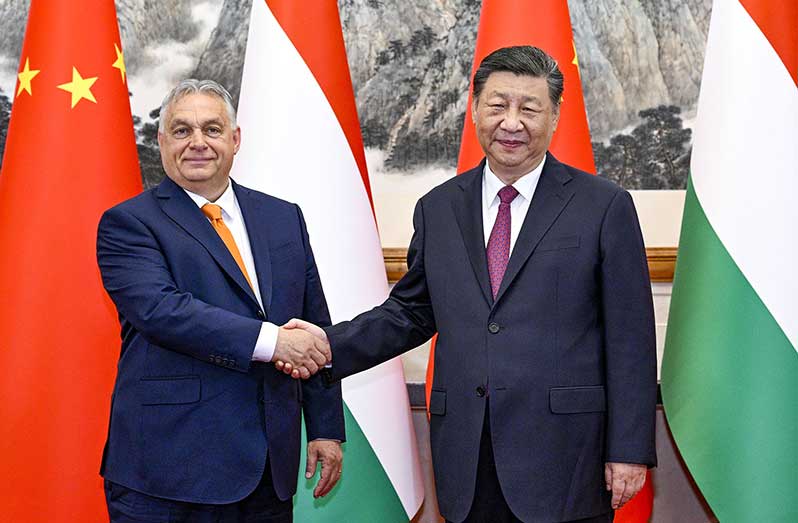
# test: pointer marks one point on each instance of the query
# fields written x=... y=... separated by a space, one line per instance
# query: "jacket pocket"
x=171 y=390
x=437 y=402
x=575 y=400
x=557 y=243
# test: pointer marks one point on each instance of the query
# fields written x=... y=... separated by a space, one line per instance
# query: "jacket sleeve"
x=404 y=321
x=630 y=345
x=138 y=279
x=322 y=405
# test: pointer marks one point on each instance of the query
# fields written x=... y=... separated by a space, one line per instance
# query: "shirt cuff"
x=266 y=342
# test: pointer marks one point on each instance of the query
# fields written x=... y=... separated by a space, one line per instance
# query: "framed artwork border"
x=661 y=263
x=660 y=214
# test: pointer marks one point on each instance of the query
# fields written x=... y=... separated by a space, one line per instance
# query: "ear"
x=474 y=103
x=160 y=139
x=237 y=139
x=555 y=117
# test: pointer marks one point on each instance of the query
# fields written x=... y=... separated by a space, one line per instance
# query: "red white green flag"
x=730 y=369
x=301 y=141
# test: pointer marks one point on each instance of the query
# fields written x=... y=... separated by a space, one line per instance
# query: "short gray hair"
x=193 y=86
x=522 y=60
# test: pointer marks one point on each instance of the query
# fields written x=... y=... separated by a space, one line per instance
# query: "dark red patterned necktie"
x=499 y=241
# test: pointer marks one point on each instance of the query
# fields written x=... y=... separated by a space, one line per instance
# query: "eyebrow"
x=505 y=96
x=177 y=122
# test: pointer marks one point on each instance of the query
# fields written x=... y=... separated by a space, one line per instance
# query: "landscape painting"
x=410 y=62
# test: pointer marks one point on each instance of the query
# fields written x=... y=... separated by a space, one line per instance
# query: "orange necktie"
x=214 y=214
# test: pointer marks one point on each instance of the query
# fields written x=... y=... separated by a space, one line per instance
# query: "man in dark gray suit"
x=534 y=275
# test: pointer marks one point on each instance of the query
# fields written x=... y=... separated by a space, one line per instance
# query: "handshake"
x=302 y=349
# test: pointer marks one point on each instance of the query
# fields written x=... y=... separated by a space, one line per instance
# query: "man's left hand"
x=624 y=480
x=331 y=457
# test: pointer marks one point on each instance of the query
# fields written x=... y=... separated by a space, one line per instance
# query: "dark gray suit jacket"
x=566 y=352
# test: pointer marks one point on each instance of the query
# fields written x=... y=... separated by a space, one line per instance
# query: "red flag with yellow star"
x=545 y=24
x=70 y=154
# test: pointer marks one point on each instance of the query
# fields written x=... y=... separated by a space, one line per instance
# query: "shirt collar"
x=525 y=185
x=227 y=201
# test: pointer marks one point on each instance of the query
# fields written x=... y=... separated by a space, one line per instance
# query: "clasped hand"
x=302 y=349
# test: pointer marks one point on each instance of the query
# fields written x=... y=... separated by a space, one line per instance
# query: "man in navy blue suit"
x=202 y=271
x=534 y=275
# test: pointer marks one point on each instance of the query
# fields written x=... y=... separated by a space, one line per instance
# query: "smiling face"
x=198 y=144
x=514 y=120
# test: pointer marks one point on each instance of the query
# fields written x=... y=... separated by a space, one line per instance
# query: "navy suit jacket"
x=565 y=354
x=192 y=416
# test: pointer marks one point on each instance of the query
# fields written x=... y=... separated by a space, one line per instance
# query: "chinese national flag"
x=545 y=24
x=639 y=508
x=70 y=154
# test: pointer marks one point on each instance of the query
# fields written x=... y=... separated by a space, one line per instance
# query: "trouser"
x=489 y=505
x=262 y=505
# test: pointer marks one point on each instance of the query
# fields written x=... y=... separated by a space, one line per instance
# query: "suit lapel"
x=257 y=230
x=550 y=198
x=185 y=213
x=468 y=211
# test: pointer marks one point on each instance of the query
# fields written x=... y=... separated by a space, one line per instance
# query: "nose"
x=511 y=121
x=197 y=140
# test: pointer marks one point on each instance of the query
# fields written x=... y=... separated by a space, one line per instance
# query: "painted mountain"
x=640 y=60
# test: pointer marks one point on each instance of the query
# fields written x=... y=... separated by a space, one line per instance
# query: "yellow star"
x=120 y=62
x=576 y=60
x=25 y=76
x=79 y=87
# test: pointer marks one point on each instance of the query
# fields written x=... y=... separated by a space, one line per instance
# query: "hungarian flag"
x=730 y=369
x=301 y=141
x=70 y=155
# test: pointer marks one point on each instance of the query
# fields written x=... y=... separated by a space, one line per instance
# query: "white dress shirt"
x=231 y=214
x=491 y=185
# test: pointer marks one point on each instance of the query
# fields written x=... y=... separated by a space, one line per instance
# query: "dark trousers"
x=262 y=505
x=489 y=505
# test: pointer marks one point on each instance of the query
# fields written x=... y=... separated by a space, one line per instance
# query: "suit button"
x=481 y=391
x=261 y=315
x=493 y=327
